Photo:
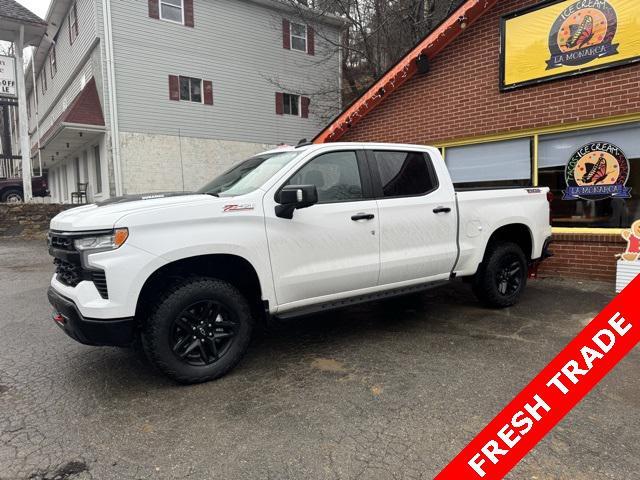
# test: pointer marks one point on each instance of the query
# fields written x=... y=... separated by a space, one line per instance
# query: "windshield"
x=249 y=175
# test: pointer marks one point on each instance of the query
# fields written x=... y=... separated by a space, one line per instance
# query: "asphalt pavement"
x=390 y=390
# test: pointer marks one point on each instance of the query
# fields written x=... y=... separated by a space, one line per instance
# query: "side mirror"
x=293 y=197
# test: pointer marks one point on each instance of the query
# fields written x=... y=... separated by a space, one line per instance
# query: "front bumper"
x=118 y=332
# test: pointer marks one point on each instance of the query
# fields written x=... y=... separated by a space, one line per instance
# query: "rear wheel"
x=199 y=330
x=13 y=195
x=502 y=276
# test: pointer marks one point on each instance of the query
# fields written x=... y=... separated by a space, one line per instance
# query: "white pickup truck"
x=285 y=233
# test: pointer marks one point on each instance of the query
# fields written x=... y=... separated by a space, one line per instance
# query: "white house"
x=134 y=96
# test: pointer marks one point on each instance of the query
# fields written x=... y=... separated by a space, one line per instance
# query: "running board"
x=370 y=297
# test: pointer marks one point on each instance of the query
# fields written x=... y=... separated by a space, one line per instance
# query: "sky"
x=39 y=7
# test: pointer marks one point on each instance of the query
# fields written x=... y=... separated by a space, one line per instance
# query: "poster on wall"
x=560 y=38
x=596 y=171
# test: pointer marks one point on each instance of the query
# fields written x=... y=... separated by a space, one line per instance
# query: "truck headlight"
x=109 y=241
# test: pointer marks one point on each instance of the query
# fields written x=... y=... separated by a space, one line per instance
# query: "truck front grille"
x=68 y=273
x=69 y=269
x=61 y=242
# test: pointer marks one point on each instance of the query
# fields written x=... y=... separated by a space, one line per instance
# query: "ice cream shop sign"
x=7 y=76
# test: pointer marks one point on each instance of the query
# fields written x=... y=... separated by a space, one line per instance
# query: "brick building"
x=525 y=133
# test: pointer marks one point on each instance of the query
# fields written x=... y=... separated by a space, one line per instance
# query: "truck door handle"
x=441 y=210
x=363 y=216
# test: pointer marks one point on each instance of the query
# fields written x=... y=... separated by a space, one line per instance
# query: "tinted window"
x=404 y=173
x=335 y=175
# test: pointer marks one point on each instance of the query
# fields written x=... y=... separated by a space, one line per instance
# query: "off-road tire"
x=156 y=332
x=485 y=281
x=11 y=194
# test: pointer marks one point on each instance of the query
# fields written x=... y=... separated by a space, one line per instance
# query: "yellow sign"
x=568 y=37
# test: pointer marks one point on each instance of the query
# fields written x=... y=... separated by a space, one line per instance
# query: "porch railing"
x=10 y=168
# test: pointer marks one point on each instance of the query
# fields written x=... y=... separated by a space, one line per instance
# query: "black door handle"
x=363 y=216
x=441 y=210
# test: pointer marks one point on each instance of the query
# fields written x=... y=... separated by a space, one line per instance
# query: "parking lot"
x=391 y=390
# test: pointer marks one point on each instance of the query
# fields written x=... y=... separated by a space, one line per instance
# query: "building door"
x=64 y=191
x=76 y=169
x=98 y=169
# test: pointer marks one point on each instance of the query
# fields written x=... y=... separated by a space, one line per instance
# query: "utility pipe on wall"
x=22 y=116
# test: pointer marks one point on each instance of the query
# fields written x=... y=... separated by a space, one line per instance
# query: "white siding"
x=69 y=59
x=236 y=44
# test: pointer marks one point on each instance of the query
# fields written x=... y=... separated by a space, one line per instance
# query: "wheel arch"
x=236 y=270
x=517 y=233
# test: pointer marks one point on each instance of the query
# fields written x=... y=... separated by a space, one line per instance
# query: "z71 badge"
x=237 y=207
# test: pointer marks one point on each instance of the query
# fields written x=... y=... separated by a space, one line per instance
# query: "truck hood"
x=104 y=215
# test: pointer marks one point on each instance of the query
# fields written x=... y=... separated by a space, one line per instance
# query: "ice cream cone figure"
x=633 y=242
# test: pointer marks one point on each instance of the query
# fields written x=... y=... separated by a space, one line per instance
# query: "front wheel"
x=199 y=330
x=502 y=276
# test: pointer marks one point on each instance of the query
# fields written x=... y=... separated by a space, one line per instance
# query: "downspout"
x=112 y=97
x=36 y=105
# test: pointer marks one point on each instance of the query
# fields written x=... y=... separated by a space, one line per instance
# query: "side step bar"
x=347 y=302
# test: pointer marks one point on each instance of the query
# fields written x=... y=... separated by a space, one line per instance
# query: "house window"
x=291 y=104
x=73 y=24
x=53 y=64
x=191 y=89
x=172 y=10
x=299 y=37
x=43 y=79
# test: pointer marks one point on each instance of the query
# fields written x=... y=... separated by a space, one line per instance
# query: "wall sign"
x=7 y=76
x=559 y=38
x=596 y=171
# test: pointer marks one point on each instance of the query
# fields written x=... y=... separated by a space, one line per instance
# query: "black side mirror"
x=292 y=197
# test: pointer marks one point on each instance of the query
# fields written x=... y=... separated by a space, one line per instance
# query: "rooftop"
x=12 y=15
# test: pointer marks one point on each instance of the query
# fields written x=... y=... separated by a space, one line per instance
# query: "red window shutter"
x=208 y=92
x=154 y=9
x=174 y=87
x=311 y=41
x=188 y=13
x=279 y=103
x=305 y=101
x=286 y=34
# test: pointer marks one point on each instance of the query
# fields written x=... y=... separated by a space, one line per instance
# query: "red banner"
x=552 y=393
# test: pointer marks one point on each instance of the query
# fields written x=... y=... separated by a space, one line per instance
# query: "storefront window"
x=491 y=164
x=599 y=188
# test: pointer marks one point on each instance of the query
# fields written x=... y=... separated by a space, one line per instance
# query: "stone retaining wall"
x=27 y=220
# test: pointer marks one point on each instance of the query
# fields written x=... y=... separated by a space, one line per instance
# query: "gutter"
x=450 y=29
x=112 y=96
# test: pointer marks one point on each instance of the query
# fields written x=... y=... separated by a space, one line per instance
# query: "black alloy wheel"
x=203 y=333
x=502 y=275
x=509 y=275
x=198 y=329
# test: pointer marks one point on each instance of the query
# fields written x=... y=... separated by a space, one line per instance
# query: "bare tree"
x=377 y=34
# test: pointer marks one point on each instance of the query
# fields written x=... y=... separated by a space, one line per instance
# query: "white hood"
x=105 y=215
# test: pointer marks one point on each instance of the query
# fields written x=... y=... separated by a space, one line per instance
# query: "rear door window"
x=404 y=174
